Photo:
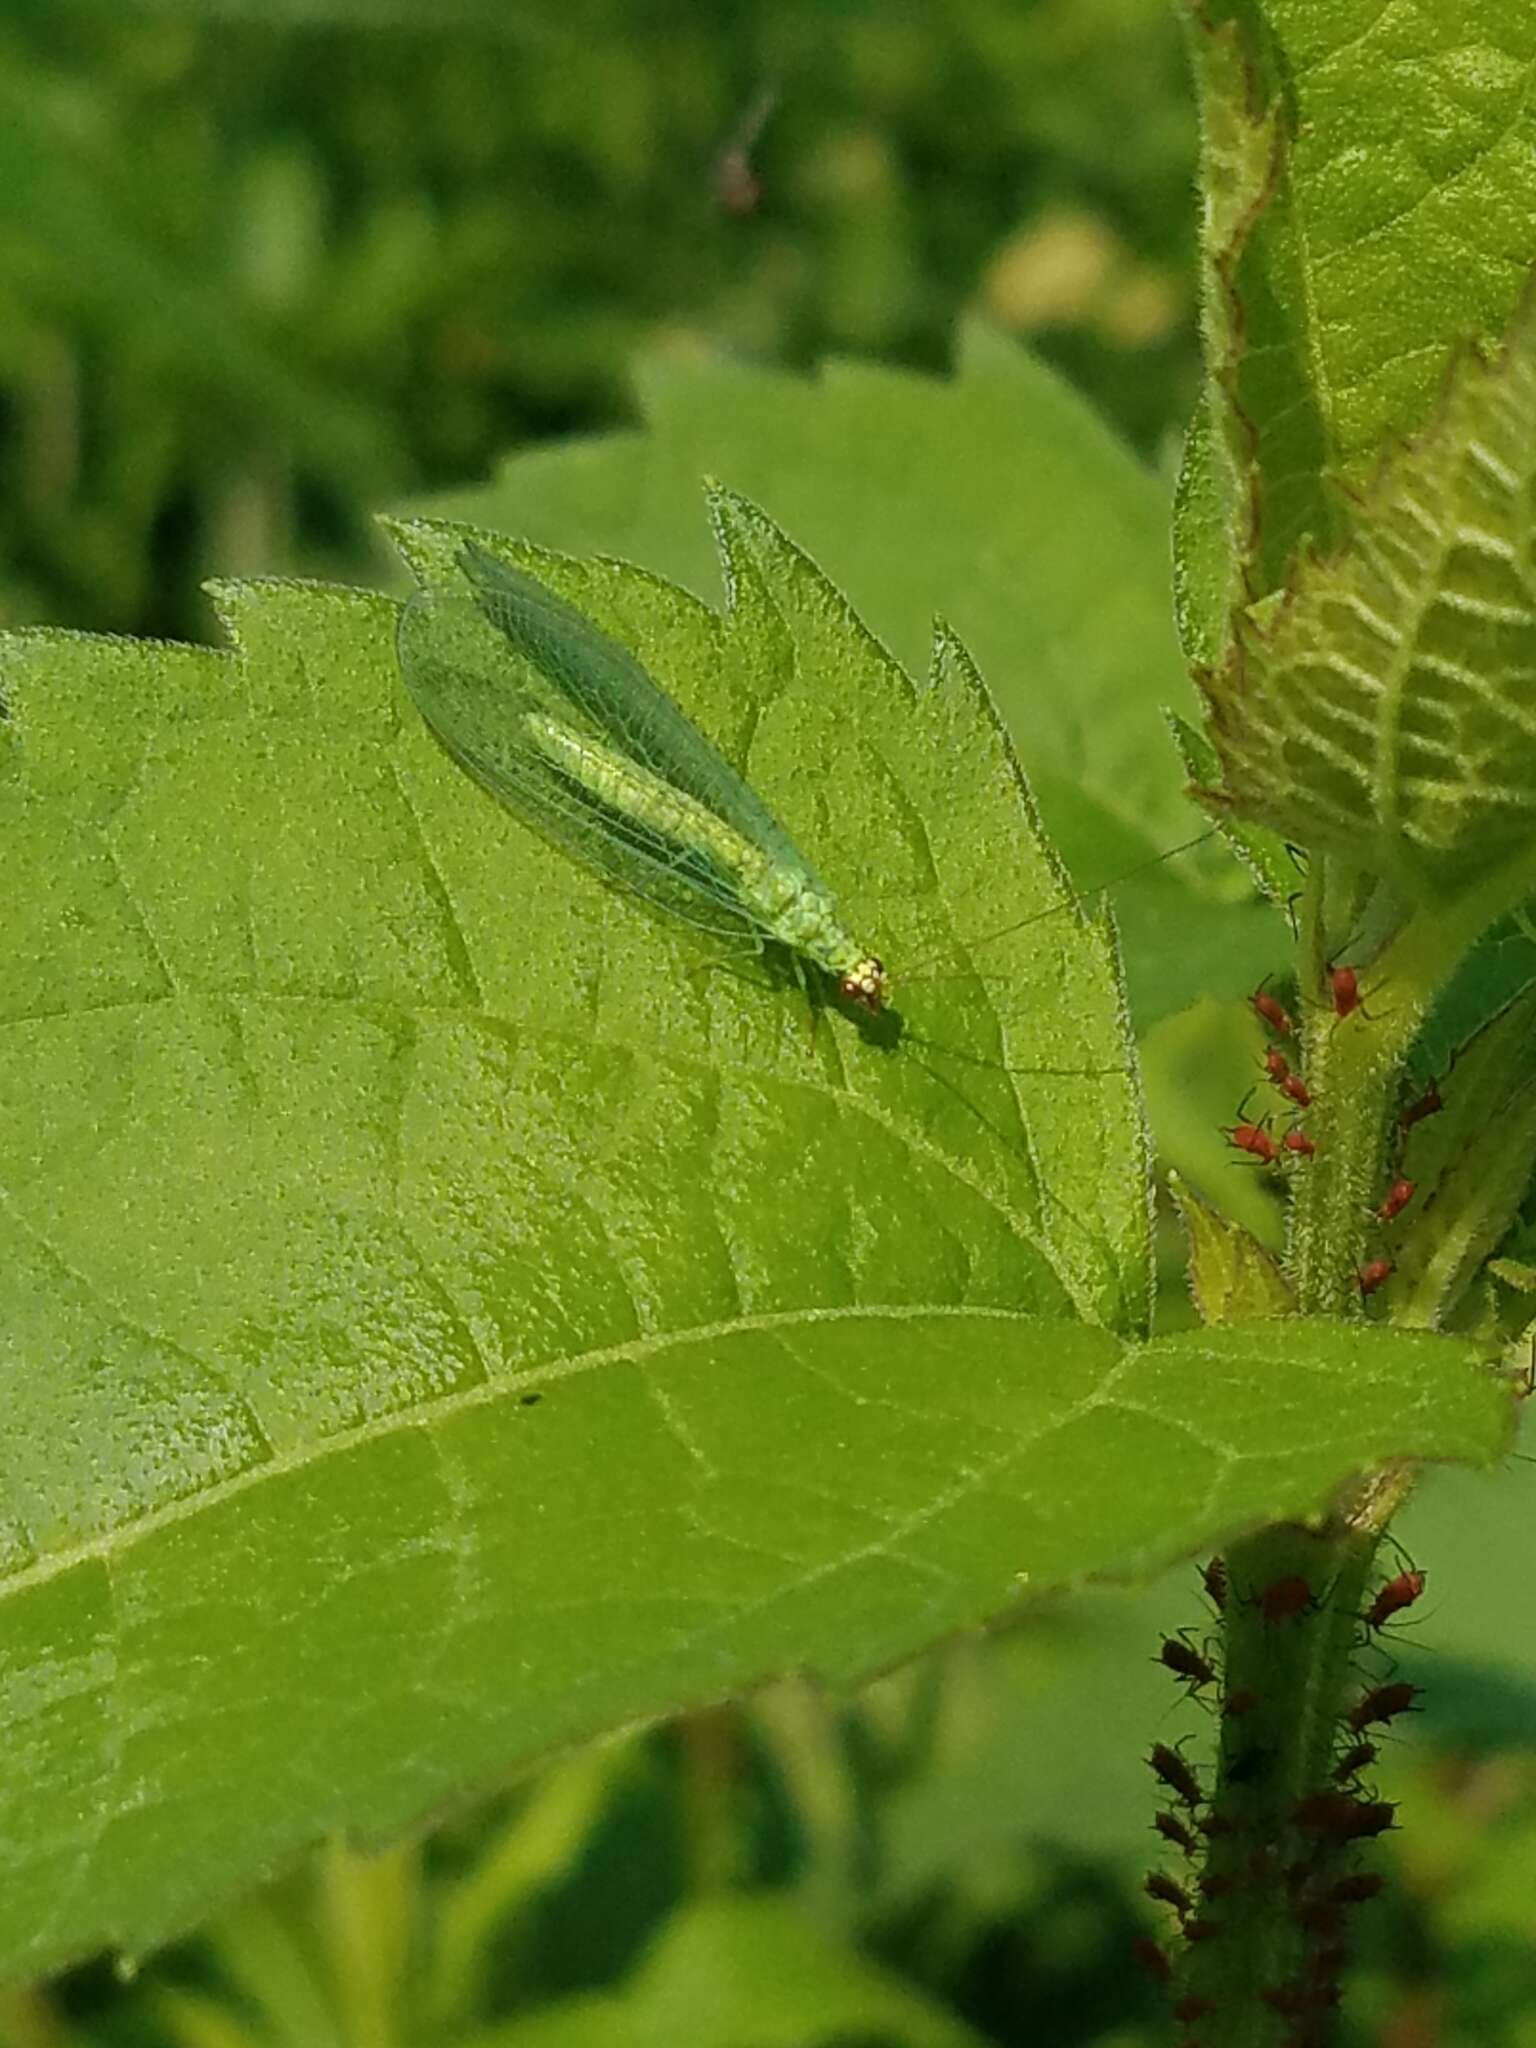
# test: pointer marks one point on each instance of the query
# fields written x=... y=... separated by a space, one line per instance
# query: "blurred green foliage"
x=262 y=268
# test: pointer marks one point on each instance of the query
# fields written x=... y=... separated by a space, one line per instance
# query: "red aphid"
x=1271 y=1012
x=1357 y=1758
x=1428 y=1104
x=1283 y=1599
x=1168 y=1891
x=1253 y=1139
x=1393 y=1597
x=1213 y=1576
x=1297 y=1089
x=1298 y=1141
x=1277 y=1066
x=1153 y=1959
x=1172 y=1829
x=1373 y=1274
x=1184 y=1661
x=1383 y=1704
x=1170 y=1769
x=1241 y=1702
x=1399 y=1195
x=1345 y=986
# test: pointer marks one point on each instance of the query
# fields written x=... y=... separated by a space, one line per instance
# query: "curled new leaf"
x=1383 y=707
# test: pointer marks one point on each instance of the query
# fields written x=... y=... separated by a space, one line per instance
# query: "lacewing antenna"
x=1056 y=909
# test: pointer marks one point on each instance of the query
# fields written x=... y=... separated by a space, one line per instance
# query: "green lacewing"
x=581 y=743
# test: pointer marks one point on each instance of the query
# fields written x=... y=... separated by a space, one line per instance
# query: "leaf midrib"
x=508 y=1385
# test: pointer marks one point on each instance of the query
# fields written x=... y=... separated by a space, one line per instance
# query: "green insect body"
x=578 y=740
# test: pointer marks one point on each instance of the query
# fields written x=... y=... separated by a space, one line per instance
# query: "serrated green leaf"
x=1231 y=1275
x=1371 y=175
x=1382 y=710
x=1258 y=420
x=434 y=1293
x=1262 y=853
x=1207 y=545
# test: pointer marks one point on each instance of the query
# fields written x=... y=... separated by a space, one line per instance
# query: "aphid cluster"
x=1308 y=1846
x=1256 y=1139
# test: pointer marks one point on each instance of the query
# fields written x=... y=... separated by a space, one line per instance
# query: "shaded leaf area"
x=994 y=497
x=753 y=1968
x=1384 y=708
x=1469 y=1166
x=1373 y=179
x=475 y=1579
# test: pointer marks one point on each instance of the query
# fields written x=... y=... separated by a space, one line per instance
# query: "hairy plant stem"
x=1266 y=1970
x=1264 y=1870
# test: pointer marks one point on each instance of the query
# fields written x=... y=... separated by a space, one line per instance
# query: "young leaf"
x=1372 y=203
x=1231 y=1276
x=1381 y=709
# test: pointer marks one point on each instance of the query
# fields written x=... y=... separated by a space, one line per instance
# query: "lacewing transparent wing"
x=565 y=727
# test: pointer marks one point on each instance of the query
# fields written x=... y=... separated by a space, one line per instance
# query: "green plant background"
x=352 y=262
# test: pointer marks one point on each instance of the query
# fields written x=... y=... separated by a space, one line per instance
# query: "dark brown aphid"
x=1428 y=1104
x=1213 y=1576
x=1172 y=1829
x=1393 y=1597
x=1357 y=1758
x=1190 y=2008
x=1342 y=1816
x=1290 y=1999
x=1398 y=1196
x=1201 y=1930
x=1239 y=1703
x=1153 y=1958
x=1355 y=1889
x=1216 y=1887
x=1184 y=1661
x=1283 y=1599
x=1373 y=1274
x=1383 y=1704
x=1170 y=1769
x=1168 y=1891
